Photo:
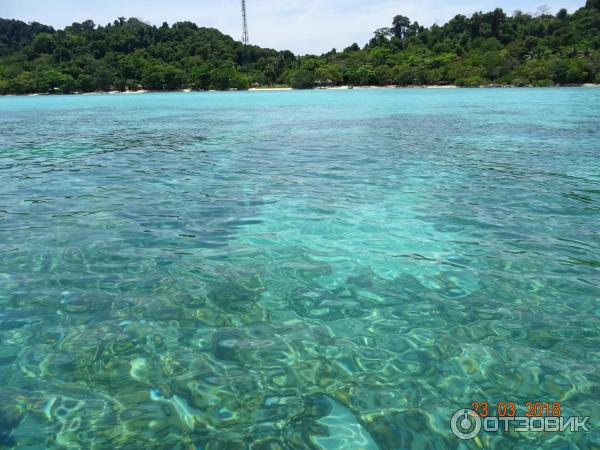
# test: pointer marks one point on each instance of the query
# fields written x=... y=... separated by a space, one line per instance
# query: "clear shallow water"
x=297 y=269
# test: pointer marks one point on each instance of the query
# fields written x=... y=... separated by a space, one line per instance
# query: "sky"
x=303 y=26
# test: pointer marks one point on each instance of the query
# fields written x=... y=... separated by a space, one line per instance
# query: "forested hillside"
x=487 y=48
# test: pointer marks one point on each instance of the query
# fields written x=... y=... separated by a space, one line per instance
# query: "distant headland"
x=487 y=49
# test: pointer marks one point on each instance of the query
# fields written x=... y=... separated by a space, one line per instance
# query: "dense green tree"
x=400 y=26
x=173 y=77
x=593 y=4
x=102 y=78
x=403 y=74
x=485 y=48
x=126 y=54
x=14 y=34
x=55 y=81
x=224 y=78
x=302 y=79
x=329 y=74
x=163 y=77
x=24 y=83
x=200 y=77
x=44 y=43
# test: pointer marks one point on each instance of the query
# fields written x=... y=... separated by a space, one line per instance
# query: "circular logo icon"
x=465 y=424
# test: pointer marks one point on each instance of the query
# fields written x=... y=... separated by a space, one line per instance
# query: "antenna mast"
x=245 y=38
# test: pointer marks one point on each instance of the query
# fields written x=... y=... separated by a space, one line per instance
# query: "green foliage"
x=24 y=83
x=127 y=54
x=54 y=81
x=162 y=77
x=14 y=34
x=472 y=81
x=486 y=48
x=224 y=78
x=44 y=43
x=593 y=4
x=403 y=75
x=200 y=77
x=537 y=71
x=329 y=74
x=302 y=79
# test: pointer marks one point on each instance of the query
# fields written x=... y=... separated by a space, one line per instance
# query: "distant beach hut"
x=324 y=83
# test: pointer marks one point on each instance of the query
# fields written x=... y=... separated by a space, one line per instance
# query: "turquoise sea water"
x=272 y=270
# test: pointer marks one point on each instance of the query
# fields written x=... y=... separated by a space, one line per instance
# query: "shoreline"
x=318 y=88
x=266 y=89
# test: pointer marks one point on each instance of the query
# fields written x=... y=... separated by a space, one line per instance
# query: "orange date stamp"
x=509 y=409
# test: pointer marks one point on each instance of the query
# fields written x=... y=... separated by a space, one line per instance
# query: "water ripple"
x=296 y=270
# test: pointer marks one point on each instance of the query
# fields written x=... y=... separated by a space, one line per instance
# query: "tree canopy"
x=487 y=48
